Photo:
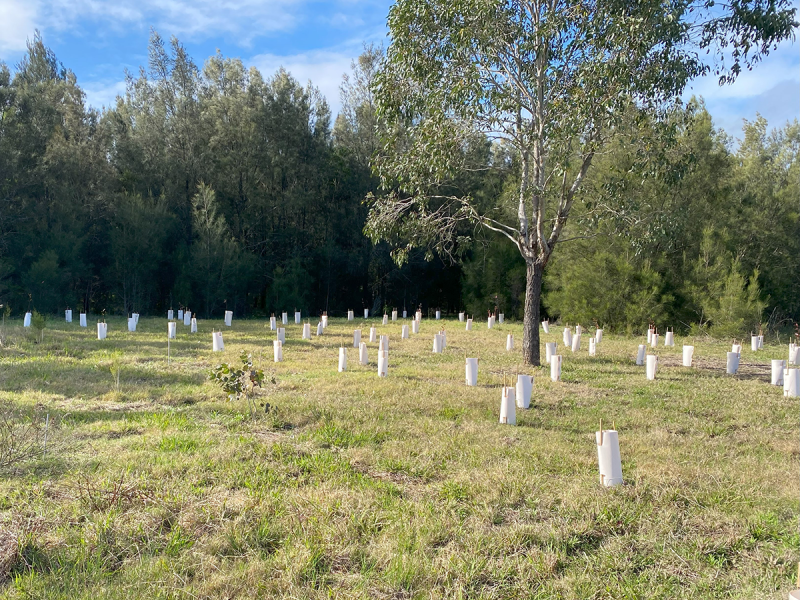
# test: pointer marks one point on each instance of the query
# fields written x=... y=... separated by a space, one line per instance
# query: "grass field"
x=403 y=487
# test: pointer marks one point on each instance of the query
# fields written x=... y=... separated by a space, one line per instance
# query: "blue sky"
x=316 y=40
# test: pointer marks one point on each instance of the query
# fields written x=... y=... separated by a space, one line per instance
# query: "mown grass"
x=404 y=487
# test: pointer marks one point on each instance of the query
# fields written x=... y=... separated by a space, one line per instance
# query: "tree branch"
x=567 y=199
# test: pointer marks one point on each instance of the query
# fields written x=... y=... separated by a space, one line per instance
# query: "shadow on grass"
x=90 y=380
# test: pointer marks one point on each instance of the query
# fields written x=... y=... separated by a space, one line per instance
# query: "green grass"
x=403 y=487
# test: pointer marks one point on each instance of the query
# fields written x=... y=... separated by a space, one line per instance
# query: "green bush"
x=609 y=289
x=241 y=381
x=736 y=307
x=38 y=323
x=727 y=304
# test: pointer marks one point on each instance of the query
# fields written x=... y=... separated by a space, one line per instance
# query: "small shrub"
x=736 y=307
x=38 y=323
x=26 y=436
x=241 y=381
x=101 y=495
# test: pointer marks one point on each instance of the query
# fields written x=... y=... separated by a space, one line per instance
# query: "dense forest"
x=221 y=187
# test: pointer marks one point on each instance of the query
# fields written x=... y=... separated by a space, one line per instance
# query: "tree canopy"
x=554 y=81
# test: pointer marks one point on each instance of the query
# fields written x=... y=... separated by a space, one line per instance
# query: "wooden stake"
x=601 y=432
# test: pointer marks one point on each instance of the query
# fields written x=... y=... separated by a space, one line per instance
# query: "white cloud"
x=103 y=94
x=771 y=89
x=243 y=18
x=241 y=21
x=344 y=21
x=191 y=19
x=323 y=67
x=777 y=105
x=17 y=22
x=781 y=64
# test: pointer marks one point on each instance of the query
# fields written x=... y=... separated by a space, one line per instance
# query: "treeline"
x=700 y=237
x=218 y=187
x=210 y=188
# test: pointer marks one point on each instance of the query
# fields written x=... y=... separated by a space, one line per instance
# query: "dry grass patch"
x=354 y=486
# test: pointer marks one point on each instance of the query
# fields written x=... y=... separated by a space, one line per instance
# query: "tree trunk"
x=533 y=293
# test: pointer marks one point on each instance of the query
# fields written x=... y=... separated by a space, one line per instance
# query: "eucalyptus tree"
x=551 y=80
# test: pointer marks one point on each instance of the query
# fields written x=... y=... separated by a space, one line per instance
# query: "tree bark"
x=533 y=293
